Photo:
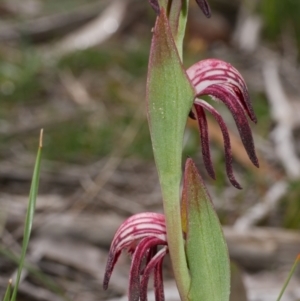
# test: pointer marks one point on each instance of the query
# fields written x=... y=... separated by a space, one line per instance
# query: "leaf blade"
x=29 y=215
x=206 y=248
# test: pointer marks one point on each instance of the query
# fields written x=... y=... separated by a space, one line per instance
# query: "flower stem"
x=175 y=239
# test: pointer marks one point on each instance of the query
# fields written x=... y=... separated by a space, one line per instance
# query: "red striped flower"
x=141 y=235
x=222 y=81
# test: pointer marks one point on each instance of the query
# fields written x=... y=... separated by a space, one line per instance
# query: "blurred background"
x=78 y=69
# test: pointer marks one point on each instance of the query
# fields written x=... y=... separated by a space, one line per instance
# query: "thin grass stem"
x=8 y=291
x=292 y=271
x=29 y=215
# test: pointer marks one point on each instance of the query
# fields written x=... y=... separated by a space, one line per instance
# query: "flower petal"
x=151 y=253
x=203 y=128
x=204 y=7
x=136 y=227
x=230 y=100
x=111 y=261
x=216 y=72
x=155 y=5
x=158 y=281
x=226 y=139
x=155 y=263
x=136 y=265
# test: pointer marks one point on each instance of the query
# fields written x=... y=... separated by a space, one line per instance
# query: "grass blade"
x=36 y=273
x=292 y=271
x=29 y=215
x=8 y=291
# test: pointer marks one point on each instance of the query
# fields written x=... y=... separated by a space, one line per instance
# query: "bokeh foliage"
x=279 y=16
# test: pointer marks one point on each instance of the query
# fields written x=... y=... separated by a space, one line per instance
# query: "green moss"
x=20 y=81
x=136 y=62
x=78 y=141
x=89 y=59
x=278 y=15
x=133 y=61
x=75 y=142
x=141 y=146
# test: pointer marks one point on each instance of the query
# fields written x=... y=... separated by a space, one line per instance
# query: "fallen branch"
x=44 y=28
x=262 y=209
x=283 y=114
x=91 y=34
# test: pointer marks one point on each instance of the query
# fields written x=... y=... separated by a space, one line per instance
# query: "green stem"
x=175 y=238
x=171 y=196
x=181 y=27
x=169 y=100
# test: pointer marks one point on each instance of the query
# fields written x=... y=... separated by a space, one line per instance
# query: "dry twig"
x=91 y=34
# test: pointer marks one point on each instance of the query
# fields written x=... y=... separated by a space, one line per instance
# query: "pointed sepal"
x=206 y=249
x=204 y=7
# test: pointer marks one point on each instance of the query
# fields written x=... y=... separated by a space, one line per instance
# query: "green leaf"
x=206 y=249
x=29 y=215
x=169 y=100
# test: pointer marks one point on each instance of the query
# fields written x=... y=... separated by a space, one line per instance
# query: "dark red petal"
x=150 y=254
x=204 y=7
x=111 y=261
x=203 y=128
x=226 y=139
x=157 y=259
x=158 y=281
x=136 y=227
x=230 y=100
x=155 y=5
x=243 y=95
x=136 y=265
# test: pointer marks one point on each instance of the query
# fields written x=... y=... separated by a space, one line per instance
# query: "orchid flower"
x=171 y=93
x=140 y=235
x=189 y=230
x=143 y=235
x=222 y=81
